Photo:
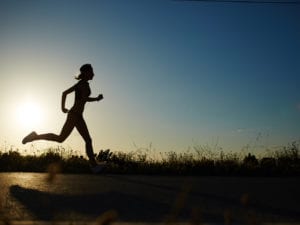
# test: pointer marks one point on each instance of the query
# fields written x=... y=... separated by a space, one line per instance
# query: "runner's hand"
x=65 y=110
x=100 y=97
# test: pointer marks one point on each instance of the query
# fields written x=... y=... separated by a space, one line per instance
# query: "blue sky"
x=174 y=74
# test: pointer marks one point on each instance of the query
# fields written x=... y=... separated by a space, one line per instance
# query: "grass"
x=196 y=161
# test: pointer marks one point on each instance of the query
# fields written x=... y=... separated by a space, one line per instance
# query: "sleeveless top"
x=82 y=92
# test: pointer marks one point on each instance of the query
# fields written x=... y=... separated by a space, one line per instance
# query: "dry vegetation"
x=196 y=161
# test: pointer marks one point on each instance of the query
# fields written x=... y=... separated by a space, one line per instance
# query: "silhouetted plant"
x=283 y=162
x=104 y=155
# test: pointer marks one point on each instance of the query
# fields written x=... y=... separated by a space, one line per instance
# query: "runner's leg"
x=84 y=132
x=65 y=132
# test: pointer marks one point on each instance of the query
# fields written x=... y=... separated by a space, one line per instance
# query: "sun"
x=29 y=114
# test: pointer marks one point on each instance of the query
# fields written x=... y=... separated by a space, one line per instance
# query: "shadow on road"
x=47 y=206
x=136 y=207
x=262 y=208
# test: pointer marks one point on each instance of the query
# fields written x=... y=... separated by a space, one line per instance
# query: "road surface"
x=148 y=199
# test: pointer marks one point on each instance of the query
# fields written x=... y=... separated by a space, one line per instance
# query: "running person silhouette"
x=75 y=117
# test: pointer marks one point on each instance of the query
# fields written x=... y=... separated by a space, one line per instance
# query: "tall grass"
x=199 y=160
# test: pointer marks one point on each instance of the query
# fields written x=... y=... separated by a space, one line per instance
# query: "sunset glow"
x=29 y=114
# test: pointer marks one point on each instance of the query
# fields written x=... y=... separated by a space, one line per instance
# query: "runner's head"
x=86 y=72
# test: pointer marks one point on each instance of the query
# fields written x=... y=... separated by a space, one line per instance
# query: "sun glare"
x=29 y=115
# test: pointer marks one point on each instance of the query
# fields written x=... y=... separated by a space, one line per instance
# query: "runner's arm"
x=64 y=96
x=100 y=97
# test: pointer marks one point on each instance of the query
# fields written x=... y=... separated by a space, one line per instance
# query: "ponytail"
x=79 y=77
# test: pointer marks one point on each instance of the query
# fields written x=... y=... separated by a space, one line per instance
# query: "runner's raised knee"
x=61 y=138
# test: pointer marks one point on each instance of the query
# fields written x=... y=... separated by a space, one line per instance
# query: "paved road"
x=31 y=196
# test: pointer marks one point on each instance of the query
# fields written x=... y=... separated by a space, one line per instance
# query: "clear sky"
x=174 y=74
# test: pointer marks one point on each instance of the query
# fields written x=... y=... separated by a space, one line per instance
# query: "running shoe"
x=29 y=137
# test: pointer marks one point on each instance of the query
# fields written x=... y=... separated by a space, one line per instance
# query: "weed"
x=196 y=161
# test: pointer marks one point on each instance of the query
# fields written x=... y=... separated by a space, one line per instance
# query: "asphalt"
x=37 y=198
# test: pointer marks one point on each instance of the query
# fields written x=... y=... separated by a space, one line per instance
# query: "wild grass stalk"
x=200 y=160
